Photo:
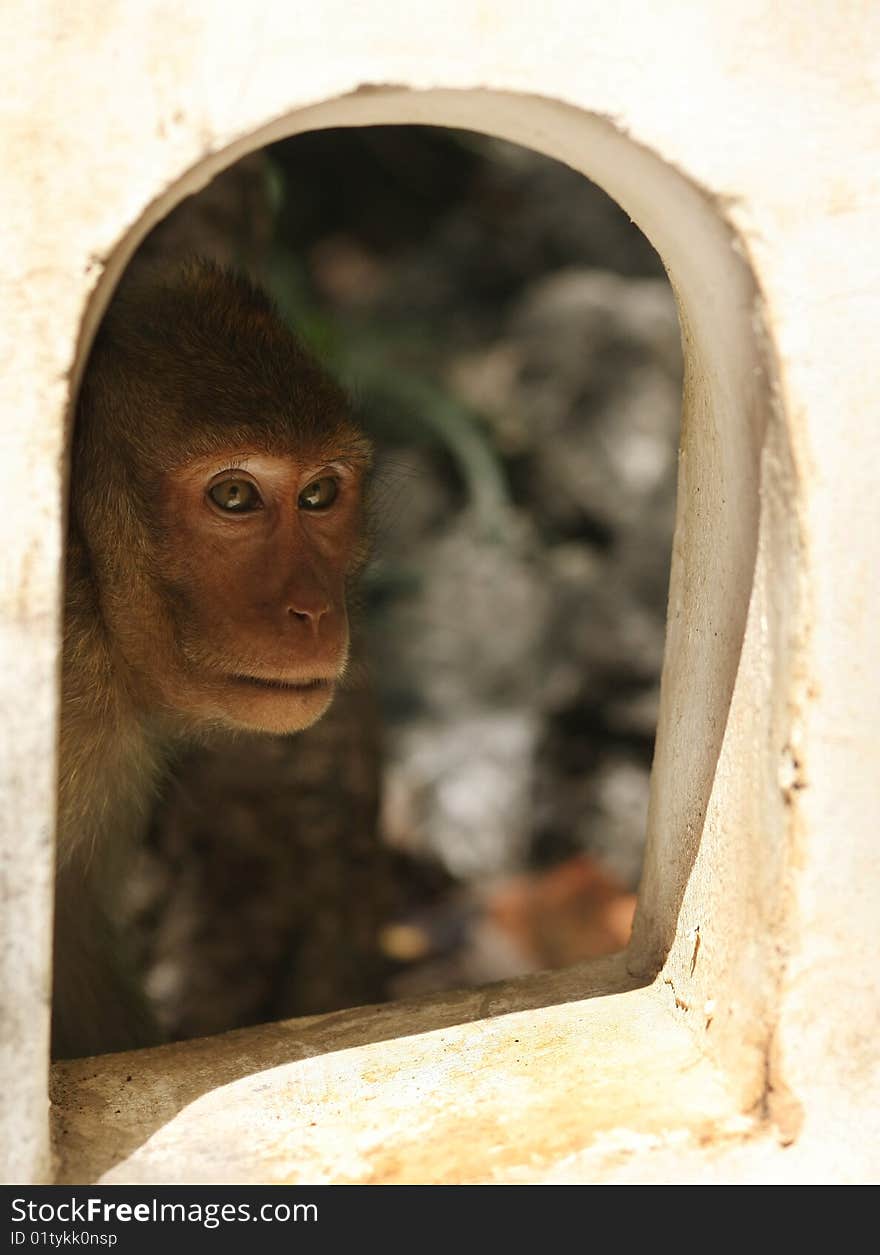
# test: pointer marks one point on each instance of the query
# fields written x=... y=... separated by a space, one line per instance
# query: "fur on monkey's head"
x=187 y=363
x=199 y=358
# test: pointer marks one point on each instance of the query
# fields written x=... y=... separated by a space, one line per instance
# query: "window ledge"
x=528 y=1080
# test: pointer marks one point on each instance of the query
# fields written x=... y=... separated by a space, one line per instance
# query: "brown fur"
x=182 y=619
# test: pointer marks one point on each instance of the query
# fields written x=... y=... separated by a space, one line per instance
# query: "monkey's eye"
x=319 y=494
x=236 y=496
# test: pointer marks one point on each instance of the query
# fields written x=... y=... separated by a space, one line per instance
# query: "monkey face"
x=245 y=576
x=216 y=498
x=257 y=553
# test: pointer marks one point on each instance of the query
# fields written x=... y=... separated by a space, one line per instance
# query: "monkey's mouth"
x=285 y=686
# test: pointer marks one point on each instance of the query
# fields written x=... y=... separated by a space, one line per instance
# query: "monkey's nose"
x=311 y=614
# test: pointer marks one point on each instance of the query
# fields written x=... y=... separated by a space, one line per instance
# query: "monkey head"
x=216 y=506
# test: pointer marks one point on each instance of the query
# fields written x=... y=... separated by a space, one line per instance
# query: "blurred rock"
x=618 y=808
x=599 y=384
x=574 y=911
x=577 y=910
x=460 y=790
x=559 y=622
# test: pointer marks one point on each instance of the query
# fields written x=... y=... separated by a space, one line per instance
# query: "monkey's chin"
x=277 y=706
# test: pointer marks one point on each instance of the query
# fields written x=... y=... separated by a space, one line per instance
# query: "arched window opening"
x=473 y=806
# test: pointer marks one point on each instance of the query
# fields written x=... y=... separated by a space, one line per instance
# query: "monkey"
x=216 y=522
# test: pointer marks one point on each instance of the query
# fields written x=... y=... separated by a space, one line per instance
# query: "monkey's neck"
x=111 y=761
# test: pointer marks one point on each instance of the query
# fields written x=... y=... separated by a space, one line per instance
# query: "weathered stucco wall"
x=744 y=140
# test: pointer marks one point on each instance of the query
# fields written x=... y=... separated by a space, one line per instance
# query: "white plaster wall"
x=744 y=139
